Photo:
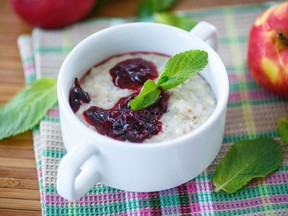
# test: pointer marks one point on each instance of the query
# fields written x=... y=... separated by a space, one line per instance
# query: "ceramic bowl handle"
x=77 y=172
x=207 y=32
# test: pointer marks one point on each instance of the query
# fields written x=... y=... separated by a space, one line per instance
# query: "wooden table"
x=19 y=194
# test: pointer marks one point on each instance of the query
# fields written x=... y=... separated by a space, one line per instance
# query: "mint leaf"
x=181 y=67
x=282 y=127
x=148 y=7
x=173 y=19
x=27 y=108
x=148 y=95
x=177 y=70
x=246 y=160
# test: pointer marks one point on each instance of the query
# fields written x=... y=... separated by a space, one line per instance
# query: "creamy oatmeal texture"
x=190 y=104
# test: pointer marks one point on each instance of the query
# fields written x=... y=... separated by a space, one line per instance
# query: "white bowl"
x=138 y=167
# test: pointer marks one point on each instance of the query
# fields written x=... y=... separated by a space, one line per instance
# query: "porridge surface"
x=190 y=104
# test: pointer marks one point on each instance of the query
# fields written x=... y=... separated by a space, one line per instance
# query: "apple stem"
x=283 y=38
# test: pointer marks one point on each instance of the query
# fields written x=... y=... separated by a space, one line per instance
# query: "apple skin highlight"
x=268 y=50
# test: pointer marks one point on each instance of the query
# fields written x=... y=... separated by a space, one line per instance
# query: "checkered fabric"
x=252 y=112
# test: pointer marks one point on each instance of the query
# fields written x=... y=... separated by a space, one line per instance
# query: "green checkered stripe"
x=252 y=112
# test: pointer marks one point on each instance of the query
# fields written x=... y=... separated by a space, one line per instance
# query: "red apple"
x=52 y=13
x=268 y=49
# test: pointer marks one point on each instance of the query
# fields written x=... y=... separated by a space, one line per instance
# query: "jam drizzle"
x=121 y=122
x=77 y=95
x=132 y=73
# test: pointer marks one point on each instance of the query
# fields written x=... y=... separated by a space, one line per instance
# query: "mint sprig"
x=27 y=108
x=148 y=96
x=176 y=71
x=247 y=159
x=148 y=7
x=173 y=19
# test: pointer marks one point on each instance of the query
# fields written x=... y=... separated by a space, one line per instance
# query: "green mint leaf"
x=177 y=70
x=181 y=67
x=173 y=19
x=148 y=7
x=246 y=160
x=27 y=108
x=148 y=95
x=282 y=127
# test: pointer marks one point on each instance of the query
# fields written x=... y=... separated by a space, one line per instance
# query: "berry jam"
x=122 y=123
x=132 y=73
x=77 y=95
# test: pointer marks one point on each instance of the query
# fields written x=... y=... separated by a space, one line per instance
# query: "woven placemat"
x=252 y=112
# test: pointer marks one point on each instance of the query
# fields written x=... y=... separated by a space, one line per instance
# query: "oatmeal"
x=189 y=104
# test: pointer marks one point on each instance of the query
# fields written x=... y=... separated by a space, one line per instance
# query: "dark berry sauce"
x=121 y=122
x=77 y=95
x=132 y=73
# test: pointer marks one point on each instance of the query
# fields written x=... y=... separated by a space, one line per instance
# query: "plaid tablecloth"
x=252 y=112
